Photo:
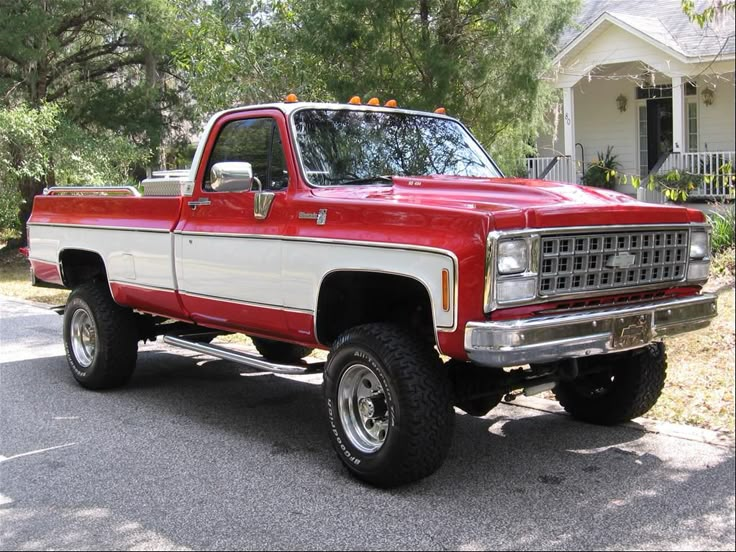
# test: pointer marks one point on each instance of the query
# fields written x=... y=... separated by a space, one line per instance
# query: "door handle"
x=198 y=203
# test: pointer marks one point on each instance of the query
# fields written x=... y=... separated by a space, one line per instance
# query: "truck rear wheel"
x=627 y=387
x=100 y=338
x=279 y=351
x=389 y=405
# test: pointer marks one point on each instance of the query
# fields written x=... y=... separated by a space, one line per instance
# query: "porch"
x=713 y=171
x=650 y=92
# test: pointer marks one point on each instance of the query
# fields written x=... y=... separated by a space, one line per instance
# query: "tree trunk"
x=29 y=188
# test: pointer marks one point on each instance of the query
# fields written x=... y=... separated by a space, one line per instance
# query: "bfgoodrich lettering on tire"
x=388 y=404
x=100 y=338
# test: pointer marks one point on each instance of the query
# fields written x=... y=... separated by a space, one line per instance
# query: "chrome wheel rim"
x=84 y=337
x=363 y=408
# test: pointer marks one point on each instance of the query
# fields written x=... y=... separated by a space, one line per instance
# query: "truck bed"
x=133 y=234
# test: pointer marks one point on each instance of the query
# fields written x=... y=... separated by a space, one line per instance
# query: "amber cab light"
x=291 y=98
x=391 y=103
x=374 y=101
x=440 y=110
x=355 y=100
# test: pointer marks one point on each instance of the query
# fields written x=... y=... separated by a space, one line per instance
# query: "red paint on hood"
x=518 y=203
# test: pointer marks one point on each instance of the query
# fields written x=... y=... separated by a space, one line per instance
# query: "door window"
x=255 y=141
x=692 y=126
x=643 y=151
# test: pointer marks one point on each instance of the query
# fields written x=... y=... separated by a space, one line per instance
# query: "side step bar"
x=253 y=361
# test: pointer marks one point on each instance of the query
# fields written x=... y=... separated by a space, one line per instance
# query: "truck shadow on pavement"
x=193 y=454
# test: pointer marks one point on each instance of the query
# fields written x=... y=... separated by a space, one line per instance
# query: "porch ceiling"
x=614 y=41
x=637 y=72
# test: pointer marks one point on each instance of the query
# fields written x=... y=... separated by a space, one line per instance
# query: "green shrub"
x=10 y=200
x=603 y=172
x=722 y=223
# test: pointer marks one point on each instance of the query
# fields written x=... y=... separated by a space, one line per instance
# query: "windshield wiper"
x=367 y=180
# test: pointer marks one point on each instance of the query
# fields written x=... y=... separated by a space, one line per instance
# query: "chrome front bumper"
x=579 y=334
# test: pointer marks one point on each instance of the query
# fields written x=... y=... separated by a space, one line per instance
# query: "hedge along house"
x=641 y=78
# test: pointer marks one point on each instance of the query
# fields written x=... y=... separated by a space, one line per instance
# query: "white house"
x=640 y=77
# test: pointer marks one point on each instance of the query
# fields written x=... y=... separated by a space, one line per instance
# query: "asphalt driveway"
x=197 y=453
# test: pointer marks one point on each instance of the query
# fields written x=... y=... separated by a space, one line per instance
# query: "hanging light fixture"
x=621 y=102
x=708 y=95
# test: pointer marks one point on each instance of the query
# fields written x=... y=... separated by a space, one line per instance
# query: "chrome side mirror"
x=231 y=176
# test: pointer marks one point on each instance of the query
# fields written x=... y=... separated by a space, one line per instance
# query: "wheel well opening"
x=350 y=298
x=78 y=267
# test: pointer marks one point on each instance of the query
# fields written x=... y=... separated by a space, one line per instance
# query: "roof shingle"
x=665 y=22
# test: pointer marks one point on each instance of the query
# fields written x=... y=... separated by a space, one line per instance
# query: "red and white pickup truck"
x=389 y=237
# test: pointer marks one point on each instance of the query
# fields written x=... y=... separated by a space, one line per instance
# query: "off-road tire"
x=279 y=351
x=116 y=338
x=628 y=387
x=418 y=398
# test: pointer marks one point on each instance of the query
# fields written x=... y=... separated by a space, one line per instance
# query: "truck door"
x=227 y=246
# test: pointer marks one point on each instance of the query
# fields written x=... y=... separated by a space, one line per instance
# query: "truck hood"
x=518 y=203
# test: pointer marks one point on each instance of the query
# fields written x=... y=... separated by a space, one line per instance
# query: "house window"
x=692 y=126
x=643 y=151
x=654 y=92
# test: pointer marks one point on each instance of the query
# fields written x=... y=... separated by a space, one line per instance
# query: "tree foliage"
x=707 y=14
x=481 y=59
x=101 y=84
x=86 y=78
x=41 y=144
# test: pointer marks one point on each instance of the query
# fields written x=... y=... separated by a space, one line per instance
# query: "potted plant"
x=603 y=171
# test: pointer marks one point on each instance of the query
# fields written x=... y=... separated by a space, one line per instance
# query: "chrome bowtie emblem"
x=622 y=260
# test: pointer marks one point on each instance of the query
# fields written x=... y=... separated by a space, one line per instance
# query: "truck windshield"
x=342 y=147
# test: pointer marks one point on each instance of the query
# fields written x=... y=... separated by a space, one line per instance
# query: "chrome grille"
x=576 y=263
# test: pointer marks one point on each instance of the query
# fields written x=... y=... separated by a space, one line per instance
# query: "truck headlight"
x=513 y=256
x=699 y=267
x=511 y=270
x=699 y=245
x=516 y=289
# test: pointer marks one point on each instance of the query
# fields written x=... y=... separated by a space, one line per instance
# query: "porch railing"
x=562 y=171
x=718 y=165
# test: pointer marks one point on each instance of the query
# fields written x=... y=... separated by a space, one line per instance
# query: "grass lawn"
x=700 y=381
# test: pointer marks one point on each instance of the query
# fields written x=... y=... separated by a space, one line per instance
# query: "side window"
x=254 y=141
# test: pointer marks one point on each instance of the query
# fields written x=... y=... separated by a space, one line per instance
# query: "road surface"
x=197 y=453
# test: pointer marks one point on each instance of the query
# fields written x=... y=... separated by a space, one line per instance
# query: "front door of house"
x=659 y=129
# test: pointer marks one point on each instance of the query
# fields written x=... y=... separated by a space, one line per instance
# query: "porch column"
x=679 y=138
x=568 y=105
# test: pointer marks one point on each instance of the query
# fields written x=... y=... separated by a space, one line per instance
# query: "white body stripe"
x=142 y=258
x=283 y=273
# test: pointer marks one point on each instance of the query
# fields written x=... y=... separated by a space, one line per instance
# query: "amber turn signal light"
x=445 y=290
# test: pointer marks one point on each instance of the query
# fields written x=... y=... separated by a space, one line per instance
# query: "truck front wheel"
x=100 y=338
x=389 y=405
x=623 y=386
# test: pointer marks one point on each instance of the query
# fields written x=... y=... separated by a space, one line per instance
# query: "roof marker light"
x=441 y=111
x=391 y=103
x=291 y=98
x=355 y=100
x=374 y=101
